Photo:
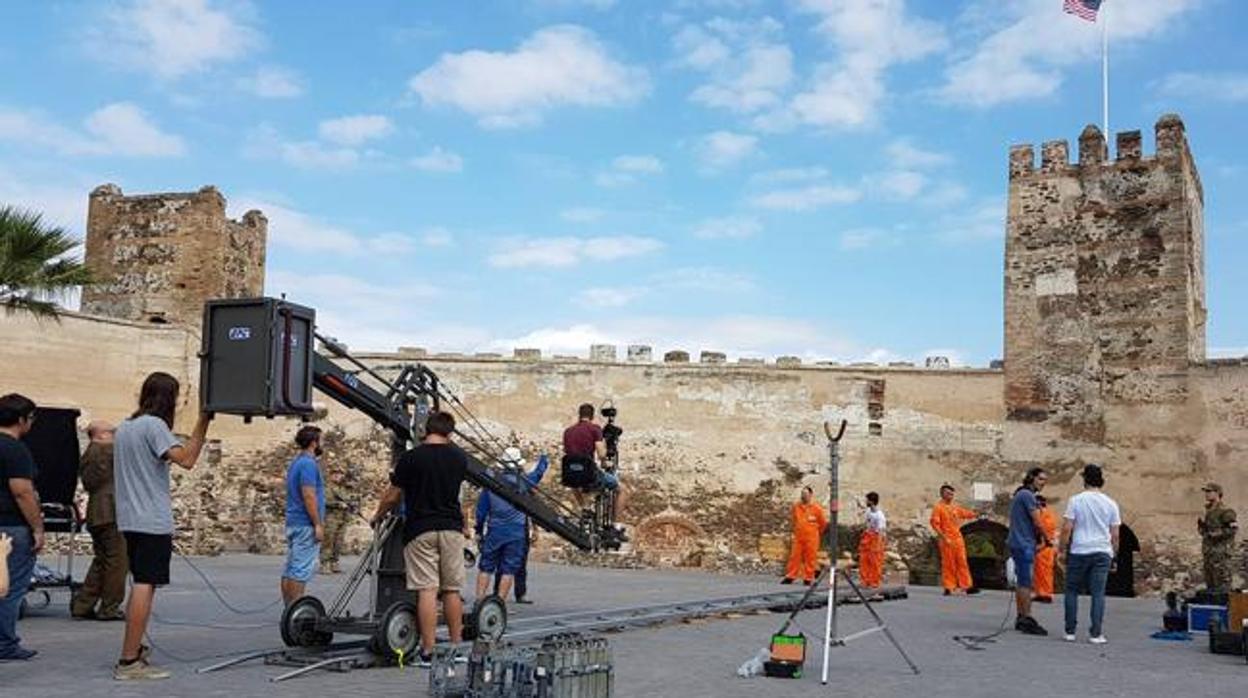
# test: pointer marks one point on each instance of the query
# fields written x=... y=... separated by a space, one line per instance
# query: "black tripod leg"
x=801 y=605
x=880 y=622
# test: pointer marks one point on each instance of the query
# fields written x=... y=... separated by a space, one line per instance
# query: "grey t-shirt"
x=141 y=475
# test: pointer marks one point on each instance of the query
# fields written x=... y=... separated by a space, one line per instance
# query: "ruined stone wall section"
x=159 y=256
x=1104 y=279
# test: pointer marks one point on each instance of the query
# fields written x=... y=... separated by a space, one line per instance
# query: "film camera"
x=610 y=431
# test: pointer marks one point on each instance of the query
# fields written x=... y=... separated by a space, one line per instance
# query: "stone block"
x=676 y=356
x=602 y=352
x=525 y=354
x=788 y=362
x=640 y=353
x=713 y=357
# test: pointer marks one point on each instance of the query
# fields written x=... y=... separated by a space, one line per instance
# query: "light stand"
x=830 y=638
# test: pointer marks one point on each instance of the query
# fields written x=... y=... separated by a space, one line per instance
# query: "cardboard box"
x=1238 y=607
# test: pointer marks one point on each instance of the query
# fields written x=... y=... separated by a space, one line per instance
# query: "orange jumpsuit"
x=1046 y=556
x=809 y=521
x=947 y=521
x=871 y=557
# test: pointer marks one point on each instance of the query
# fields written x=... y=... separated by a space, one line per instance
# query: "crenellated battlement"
x=1171 y=139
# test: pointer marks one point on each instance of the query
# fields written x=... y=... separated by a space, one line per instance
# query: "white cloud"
x=899 y=185
x=172 y=38
x=124 y=129
x=808 y=198
x=437 y=236
x=643 y=164
x=120 y=128
x=863 y=238
x=289 y=227
x=582 y=214
x=563 y=65
x=626 y=169
x=982 y=222
x=747 y=67
x=791 y=174
x=355 y=130
x=608 y=297
x=730 y=227
x=722 y=149
x=1213 y=87
x=871 y=36
x=60 y=197
x=569 y=251
x=905 y=154
x=1026 y=59
x=438 y=160
x=576 y=4
x=704 y=279
x=312 y=155
x=736 y=335
x=272 y=82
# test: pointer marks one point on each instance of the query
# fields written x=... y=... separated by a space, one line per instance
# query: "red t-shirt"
x=579 y=439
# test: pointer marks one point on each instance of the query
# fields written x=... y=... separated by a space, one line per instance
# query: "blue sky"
x=823 y=178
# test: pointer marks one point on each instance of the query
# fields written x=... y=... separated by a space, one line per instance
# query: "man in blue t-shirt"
x=305 y=514
x=1026 y=535
x=504 y=543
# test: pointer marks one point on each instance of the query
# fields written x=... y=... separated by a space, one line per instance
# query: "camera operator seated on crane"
x=584 y=448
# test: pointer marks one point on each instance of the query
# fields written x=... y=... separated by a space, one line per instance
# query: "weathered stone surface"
x=528 y=354
x=602 y=352
x=676 y=356
x=640 y=353
x=713 y=357
x=160 y=255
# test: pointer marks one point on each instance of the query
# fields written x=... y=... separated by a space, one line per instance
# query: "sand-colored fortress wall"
x=1104 y=362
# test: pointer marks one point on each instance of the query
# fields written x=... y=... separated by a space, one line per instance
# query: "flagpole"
x=1105 y=70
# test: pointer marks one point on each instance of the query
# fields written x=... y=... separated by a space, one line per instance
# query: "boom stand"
x=830 y=638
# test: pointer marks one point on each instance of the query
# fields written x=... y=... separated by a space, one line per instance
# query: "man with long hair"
x=1026 y=536
x=143 y=449
x=20 y=518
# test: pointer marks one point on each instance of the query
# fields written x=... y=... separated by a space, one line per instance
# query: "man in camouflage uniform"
x=1217 y=539
x=341 y=503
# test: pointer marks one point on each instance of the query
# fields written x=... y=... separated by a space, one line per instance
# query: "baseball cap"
x=1212 y=487
x=512 y=457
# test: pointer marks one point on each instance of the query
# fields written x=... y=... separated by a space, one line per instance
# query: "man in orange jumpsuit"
x=1046 y=556
x=946 y=520
x=809 y=522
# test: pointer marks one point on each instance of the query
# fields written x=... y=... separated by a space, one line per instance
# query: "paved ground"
x=696 y=659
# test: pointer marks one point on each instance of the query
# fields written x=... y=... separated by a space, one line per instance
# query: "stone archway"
x=669 y=537
x=986 y=553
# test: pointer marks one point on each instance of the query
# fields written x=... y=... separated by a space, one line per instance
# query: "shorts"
x=434 y=561
x=149 y=555
x=302 y=553
x=1024 y=564
x=608 y=481
x=502 y=555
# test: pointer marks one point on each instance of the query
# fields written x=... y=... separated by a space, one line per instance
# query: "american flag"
x=1083 y=9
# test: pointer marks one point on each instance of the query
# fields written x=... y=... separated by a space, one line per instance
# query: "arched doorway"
x=1121 y=580
x=986 y=553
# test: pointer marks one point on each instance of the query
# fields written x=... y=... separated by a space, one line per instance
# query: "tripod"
x=830 y=638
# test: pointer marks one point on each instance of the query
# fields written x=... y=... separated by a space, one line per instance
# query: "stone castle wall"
x=1104 y=362
x=159 y=256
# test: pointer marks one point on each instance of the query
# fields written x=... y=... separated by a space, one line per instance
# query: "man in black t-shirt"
x=427 y=480
x=20 y=518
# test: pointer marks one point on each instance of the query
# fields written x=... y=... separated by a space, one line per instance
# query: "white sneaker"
x=1098 y=640
x=1069 y=637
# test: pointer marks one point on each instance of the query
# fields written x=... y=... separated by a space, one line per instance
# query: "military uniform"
x=1217 y=542
x=106 y=580
x=340 y=505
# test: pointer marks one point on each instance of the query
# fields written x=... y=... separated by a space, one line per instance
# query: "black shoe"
x=523 y=600
x=1028 y=626
x=424 y=661
x=972 y=590
x=786 y=580
x=948 y=593
x=19 y=654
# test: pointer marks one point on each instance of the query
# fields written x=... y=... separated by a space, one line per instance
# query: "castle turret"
x=158 y=257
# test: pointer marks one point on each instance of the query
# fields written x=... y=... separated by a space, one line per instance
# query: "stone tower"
x=158 y=257
x=1104 y=286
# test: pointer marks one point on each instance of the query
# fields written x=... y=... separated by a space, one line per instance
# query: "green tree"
x=36 y=269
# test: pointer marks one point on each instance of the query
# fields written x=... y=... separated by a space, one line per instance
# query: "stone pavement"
x=690 y=659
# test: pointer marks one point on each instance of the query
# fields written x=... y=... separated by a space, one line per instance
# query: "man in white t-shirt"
x=1090 y=543
x=872 y=545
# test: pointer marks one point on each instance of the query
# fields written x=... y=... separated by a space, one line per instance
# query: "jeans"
x=1086 y=571
x=21 y=566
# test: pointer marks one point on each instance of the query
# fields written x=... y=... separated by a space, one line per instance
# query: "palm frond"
x=36 y=266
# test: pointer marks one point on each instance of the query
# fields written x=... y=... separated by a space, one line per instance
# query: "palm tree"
x=35 y=269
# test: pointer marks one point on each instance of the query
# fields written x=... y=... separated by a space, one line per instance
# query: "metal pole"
x=834 y=507
x=1105 y=70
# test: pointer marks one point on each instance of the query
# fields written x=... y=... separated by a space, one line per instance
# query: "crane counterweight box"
x=256 y=358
